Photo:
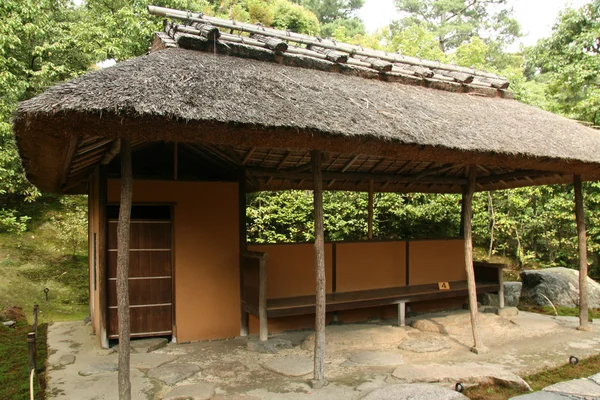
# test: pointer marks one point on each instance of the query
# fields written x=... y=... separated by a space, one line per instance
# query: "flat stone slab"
x=150 y=360
x=425 y=345
x=595 y=378
x=172 y=373
x=464 y=372
x=358 y=336
x=67 y=359
x=98 y=368
x=541 y=396
x=147 y=345
x=290 y=365
x=197 y=391
x=225 y=369
x=577 y=387
x=271 y=346
x=413 y=392
x=508 y=312
x=374 y=358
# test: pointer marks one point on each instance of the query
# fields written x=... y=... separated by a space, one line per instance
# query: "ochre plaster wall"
x=433 y=261
x=370 y=265
x=206 y=253
x=291 y=268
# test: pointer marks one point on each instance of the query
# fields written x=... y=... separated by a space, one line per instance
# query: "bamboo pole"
x=314 y=41
x=582 y=248
x=370 y=217
x=319 y=355
x=123 y=237
x=467 y=200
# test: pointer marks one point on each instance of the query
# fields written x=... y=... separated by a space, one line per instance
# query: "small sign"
x=444 y=285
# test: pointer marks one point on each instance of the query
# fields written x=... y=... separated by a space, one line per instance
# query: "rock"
x=489 y=299
x=595 y=378
x=225 y=369
x=413 y=392
x=425 y=345
x=358 y=336
x=235 y=397
x=172 y=373
x=147 y=345
x=12 y=313
x=512 y=293
x=480 y=373
x=9 y=324
x=98 y=368
x=290 y=365
x=374 y=358
x=271 y=346
x=583 y=388
x=106 y=352
x=489 y=309
x=66 y=359
x=508 y=312
x=197 y=391
x=541 y=396
x=560 y=285
x=146 y=361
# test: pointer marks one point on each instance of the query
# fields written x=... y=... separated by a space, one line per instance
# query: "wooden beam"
x=370 y=216
x=582 y=249
x=319 y=353
x=102 y=253
x=297 y=174
x=349 y=163
x=284 y=160
x=478 y=346
x=512 y=175
x=248 y=155
x=96 y=144
x=68 y=159
x=123 y=237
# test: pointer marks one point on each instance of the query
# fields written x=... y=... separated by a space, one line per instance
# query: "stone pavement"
x=369 y=360
x=574 y=389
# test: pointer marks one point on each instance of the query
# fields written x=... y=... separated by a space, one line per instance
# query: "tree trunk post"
x=319 y=356
x=582 y=248
x=370 y=217
x=123 y=237
x=467 y=217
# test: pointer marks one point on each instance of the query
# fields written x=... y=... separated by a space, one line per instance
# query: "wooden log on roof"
x=207 y=31
x=416 y=70
x=331 y=55
x=377 y=64
x=314 y=41
x=495 y=83
x=459 y=77
x=270 y=43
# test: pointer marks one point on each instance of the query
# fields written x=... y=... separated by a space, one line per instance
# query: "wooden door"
x=150 y=272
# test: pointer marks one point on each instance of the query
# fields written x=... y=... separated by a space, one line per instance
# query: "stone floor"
x=364 y=361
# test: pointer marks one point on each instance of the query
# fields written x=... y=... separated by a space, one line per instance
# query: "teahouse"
x=209 y=115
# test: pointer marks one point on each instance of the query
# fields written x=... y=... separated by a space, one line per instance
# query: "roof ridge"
x=200 y=25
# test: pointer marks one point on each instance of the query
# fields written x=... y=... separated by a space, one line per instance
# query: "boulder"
x=413 y=392
x=512 y=293
x=560 y=285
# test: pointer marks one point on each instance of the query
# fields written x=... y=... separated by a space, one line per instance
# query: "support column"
x=370 y=217
x=262 y=300
x=103 y=255
x=244 y=317
x=467 y=201
x=123 y=237
x=582 y=248
x=319 y=355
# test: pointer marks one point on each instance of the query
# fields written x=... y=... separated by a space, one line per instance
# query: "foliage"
x=569 y=60
x=70 y=224
x=328 y=11
x=454 y=22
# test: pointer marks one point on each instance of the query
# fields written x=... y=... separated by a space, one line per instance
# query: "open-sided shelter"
x=218 y=109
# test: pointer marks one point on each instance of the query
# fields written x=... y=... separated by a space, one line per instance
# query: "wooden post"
x=123 y=237
x=262 y=301
x=35 y=318
x=32 y=351
x=467 y=200
x=582 y=247
x=244 y=317
x=319 y=357
x=501 y=290
x=103 y=254
x=370 y=218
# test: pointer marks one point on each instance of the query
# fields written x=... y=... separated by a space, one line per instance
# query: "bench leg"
x=402 y=313
x=244 y=331
x=264 y=327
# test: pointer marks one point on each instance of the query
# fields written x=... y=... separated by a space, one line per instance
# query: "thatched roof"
x=250 y=110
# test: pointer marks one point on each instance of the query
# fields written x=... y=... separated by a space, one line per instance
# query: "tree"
x=454 y=22
x=328 y=11
x=569 y=60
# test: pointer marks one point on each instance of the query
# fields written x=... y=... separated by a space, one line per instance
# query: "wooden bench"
x=255 y=302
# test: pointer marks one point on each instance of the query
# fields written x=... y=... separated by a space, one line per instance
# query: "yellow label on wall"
x=444 y=285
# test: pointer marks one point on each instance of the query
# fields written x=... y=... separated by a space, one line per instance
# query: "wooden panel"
x=144 y=235
x=291 y=268
x=432 y=261
x=143 y=291
x=143 y=263
x=370 y=265
x=145 y=321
